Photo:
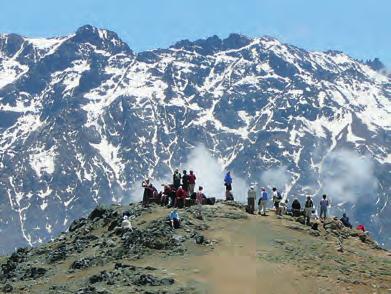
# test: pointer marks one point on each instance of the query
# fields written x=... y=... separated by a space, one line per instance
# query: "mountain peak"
x=102 y=38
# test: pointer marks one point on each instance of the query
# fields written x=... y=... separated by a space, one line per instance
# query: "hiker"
x=180 y=197
x=308 y=209
x=192 y=181
x=284 y=207
x=200 y=197
x=345 y=220
x=164 y=199
x=296 y=207
x=185 y=181
x=148 y=193
x=324 y=203
x=262 y=202
x=171 y=196
x=200 y=200
x=361 y=228
x=251 y=195
x=228 y=181
x=229 y=196
x=175 y=220
x=126 y=225
x=277 y=197
x=176 y=179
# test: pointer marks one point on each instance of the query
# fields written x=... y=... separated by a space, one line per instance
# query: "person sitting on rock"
x=345 y=220
x=283 y=207
x=175 y=220
x=262 y=202
x=308 y=208
x=324 y=203
x=165 y=195
x=296 y=208
x=192 y=181
x=126 y=224
x=200 y=197
x=361 y=228
x=180 y=197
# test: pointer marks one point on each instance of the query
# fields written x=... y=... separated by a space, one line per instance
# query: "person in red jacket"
x=360 y=228
x=180 y=197
x=192 y=181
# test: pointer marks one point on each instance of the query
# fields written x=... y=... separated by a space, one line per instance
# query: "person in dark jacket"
x=345 y=221
x=148 y=193
x=185 y=181
x=296 y=207
x=176 y=179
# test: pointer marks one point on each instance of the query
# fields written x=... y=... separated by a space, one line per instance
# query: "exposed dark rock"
x=150 y=280
x=76 y=224
x=58 y=254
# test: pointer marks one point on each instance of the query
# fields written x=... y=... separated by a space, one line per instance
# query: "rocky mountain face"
x=83 y=118
x=98 y=255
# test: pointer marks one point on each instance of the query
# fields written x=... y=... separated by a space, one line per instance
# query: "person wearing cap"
x=175 y=220
x=308 y=208
x=251 y=195
x=262 y=202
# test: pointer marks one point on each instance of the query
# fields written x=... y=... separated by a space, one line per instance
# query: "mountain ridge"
x=81 y=123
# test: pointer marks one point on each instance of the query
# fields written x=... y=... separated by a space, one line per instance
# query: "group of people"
x=180 y=193
x=296 y=209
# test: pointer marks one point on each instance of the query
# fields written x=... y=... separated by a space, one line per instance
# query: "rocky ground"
x=224 y=251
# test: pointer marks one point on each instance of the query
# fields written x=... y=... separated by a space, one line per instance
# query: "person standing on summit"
x=262 y=202
x=192 y=181
x=228 y=181
x=176 y=179
x=185 y=181
x=324 y=203
x=251 y=196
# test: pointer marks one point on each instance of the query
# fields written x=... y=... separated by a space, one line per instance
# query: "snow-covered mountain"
x=83 y=117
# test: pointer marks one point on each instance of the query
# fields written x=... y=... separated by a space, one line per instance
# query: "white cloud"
x=348 y=177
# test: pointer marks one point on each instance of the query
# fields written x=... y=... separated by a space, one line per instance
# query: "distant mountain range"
x=83 y=118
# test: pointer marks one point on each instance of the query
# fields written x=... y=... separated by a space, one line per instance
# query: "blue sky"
x=361 y=28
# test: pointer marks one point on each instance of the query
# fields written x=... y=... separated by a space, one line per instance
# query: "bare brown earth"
x=247 y=260
x=244 y=254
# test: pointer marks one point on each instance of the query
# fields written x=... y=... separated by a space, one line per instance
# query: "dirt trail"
x=233 y=265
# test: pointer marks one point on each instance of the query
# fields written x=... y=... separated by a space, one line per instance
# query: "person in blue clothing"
x=228 y=181
x=262 y=202
x=175 y=220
